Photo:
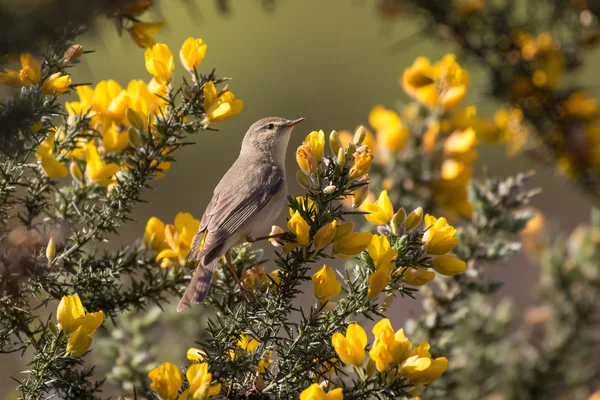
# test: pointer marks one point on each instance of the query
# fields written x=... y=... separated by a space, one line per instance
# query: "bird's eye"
x=270 y=127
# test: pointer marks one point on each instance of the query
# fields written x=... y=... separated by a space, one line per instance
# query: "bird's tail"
x=198 y=287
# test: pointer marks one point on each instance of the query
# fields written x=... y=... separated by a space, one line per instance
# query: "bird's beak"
x=295 y=122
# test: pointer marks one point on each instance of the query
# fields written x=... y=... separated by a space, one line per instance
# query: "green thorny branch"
x=300 y=339
x=76 y=215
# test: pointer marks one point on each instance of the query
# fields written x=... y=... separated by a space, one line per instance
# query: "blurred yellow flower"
x=44 y=154
x=382 y=252
x=159 y=62
x=351 y=347
x=220 y=106
x=255 y=278
x=306 y=204
x=348 y=243
x=97 y=170
x=439 y=237
x=11 y=78
x=417 y=276
x=316 y=142
x=361 y=164
x=77 y=324
x=448 y=265
x=514 y=131
x=299 y=227
x=305 y=159
x=441 y=85
x=326 y=284
x=325 y=235
x=468 y=8
x=315 y=392
x=192 y=53
x=420 y=368
x=391 y=132
x=166 y=380
x=380 y=212
x=56 y=83
x=141 y=32
x=178 y=239
x=582 y=106
x=30 y=70
x=378 y=280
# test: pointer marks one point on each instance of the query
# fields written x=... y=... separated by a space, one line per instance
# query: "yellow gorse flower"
x=439 y=238
x=77 y=324
x=361 y=164
x=420 y=368
x=348 y=243
x=220 y=106
x=306 y=159
x=192 y=53
x=141 y=33
x=378 y=280
x=175 y=241
x=391 y=132
x=315 y=392
x=56 y=83
x=166 y=380
x=316 y=142
x=417 y=276
x=380 y=212
x=44 y=154
x=390 y=348
x=159 y=62
x=351 y=347
x=199 y=380
x=448 y=264
x=97 y=170
x=299 y=227
x=326 y=284
x=325 y=235
x=442 y=85
x=30 y=70
x=194 y=354
x=29 y=74
x=381 y=251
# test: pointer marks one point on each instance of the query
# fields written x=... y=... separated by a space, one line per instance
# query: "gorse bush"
x=396 y=199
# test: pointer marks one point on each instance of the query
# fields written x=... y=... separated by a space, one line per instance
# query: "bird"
x=245 y=203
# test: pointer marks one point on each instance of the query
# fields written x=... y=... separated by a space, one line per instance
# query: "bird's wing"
x=226 y=212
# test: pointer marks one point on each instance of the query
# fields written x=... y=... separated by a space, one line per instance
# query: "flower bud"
x=351 y=148
x=414 y=218
x=341 y=157
x=51 y=250
x=275 y=230
x=329 y=189
x=73 y=53
x=360 y=135
x=334 y=142
x=387 y=302
x=362 y=148
x=135 y=119
x=303 y=179
x=76 y=172
x=398 y=221
x=359 y=195
x=134 y=136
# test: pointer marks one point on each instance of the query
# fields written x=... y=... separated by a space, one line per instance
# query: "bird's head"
x=270 y=135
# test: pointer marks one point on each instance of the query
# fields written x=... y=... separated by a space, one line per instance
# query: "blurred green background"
x=328 y=61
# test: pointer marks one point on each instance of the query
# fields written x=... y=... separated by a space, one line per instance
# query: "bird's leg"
x=235 y=276
x=250 y=239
